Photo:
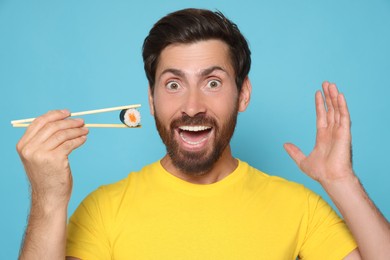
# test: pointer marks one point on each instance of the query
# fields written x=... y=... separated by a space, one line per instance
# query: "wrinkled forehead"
x=195 y=58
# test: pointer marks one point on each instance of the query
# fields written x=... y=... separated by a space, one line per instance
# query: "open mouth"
x=195 y=135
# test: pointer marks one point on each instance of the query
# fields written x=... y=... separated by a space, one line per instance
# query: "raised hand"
x=331 y=158
x=330 y=163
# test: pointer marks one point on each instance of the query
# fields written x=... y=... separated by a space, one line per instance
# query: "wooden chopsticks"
x=26 y=122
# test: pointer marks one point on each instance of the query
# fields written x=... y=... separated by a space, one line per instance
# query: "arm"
x=330 y=163
x=44 y=150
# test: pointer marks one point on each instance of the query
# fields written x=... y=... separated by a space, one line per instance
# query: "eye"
x=172 y=85
x=213 y=83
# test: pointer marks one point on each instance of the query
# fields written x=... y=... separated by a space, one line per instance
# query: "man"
x=199 y=202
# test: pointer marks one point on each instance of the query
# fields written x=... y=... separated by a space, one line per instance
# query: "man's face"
x=195 y=103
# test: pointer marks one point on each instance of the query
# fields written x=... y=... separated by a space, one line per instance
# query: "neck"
x=225 y=165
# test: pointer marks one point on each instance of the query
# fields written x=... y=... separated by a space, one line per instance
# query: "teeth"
x=194 y=128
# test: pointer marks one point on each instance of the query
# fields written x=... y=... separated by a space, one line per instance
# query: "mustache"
x=198 y=119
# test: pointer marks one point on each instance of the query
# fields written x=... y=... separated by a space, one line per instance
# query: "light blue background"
x=85 y=55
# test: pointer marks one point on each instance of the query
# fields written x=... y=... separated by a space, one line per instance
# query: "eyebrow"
x=175 y=72
x=208 y=71
x=203 y=73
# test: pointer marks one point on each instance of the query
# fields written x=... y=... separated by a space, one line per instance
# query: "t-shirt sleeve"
x=88 y=236
x=327 y=236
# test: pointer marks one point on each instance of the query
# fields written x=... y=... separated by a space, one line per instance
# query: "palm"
x=331 y=156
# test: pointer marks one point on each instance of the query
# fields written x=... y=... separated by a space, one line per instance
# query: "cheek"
x=223 y=108
x=164 y=107
x=226 y=102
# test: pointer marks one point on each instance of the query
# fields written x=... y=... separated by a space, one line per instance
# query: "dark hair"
x=192 y=25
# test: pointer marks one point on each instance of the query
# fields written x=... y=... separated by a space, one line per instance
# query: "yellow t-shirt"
x=152 y=214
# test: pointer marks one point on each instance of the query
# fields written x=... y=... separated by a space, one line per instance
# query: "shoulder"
x=290 y=195
x=275 y=184
x=280 y=191
x=124 y=186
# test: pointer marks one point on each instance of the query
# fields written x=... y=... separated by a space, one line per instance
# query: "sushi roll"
x=130 y=117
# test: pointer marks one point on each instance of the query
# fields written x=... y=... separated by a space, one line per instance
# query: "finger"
x=333 y=91
x=52 y=128
x=328 y=101
x=295 y=153
x=40 y=122
x=67 y=147
x=320 y=110
x=63 y=136
x=345 y=119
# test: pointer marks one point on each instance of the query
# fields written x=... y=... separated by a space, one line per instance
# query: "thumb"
x=295 y=153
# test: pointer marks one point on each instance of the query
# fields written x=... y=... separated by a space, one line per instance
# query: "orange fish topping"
x=132 y=118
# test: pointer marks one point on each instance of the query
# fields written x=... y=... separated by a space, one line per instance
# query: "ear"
x=245 y=95
x=151 y=103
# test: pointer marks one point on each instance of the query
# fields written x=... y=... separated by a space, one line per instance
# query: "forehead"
x=194 y=57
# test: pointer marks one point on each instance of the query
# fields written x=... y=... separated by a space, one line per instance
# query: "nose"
x=194 y=103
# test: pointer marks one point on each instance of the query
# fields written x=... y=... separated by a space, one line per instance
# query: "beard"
x=197 y=163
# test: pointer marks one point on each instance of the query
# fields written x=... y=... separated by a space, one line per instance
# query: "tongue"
x=192 y=136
